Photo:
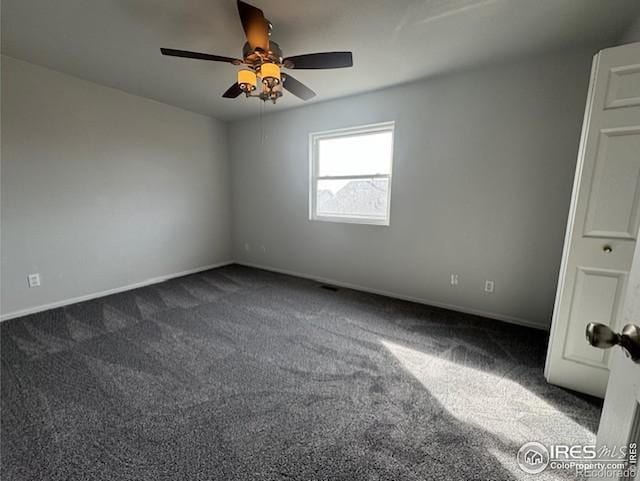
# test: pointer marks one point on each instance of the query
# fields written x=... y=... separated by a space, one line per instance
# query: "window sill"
x=351 y=220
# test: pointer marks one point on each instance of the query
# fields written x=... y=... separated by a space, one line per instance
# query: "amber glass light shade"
x=270 y=73
x=247 y=80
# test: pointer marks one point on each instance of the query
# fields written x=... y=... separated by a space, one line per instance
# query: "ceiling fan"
x=263 y=58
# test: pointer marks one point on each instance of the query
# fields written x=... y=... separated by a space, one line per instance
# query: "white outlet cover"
x=489 y=286
x=33 y=280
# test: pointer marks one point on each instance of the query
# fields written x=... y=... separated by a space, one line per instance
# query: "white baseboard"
x=451 y=307
x=326 y=280
x=94 y=295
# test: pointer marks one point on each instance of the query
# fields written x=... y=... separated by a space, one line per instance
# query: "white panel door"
x=620 y=421
x=603 y=222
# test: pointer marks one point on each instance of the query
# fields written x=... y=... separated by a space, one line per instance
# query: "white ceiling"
x=116 y=42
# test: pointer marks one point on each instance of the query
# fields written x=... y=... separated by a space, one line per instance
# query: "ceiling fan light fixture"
x=247 y=80
x=263 y=58
x=270 y=74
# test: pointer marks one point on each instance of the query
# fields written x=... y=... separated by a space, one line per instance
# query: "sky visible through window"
x=367 y=154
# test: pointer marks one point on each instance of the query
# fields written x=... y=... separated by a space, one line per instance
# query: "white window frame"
x=314 y=139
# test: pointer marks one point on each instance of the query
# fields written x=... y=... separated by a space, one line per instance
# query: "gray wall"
x=483 y=171
x=101 y=189
x=632 y=34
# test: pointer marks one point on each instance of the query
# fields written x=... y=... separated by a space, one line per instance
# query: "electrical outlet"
x=247 y=247
x=489 y=286
x=454 y=279
x=263 y=249
x=33 y=280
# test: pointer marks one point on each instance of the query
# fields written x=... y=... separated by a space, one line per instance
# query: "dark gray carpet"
x=241 y=374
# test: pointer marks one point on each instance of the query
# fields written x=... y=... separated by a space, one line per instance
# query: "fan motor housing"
x=257 y=57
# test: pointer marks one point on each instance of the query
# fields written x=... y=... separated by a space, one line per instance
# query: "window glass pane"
x=353 y=197
x=364 y=154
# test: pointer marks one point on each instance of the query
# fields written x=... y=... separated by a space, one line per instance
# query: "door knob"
x=601 y=336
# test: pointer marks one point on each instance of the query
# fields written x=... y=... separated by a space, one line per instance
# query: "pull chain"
x=262 y=123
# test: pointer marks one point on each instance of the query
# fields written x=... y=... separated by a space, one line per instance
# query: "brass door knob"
x=601 y=336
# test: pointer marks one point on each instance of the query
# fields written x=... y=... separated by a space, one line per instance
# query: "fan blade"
x=232 y=92
x=296 y=87
x=320 y=60
x=199 y=56
x=255 y=26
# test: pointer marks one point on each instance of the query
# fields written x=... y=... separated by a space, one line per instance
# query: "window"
x=351 y=174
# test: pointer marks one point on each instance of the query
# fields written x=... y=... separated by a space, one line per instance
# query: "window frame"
x=314 y=138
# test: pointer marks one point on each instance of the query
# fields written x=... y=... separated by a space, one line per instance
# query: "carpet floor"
x=243 y=374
